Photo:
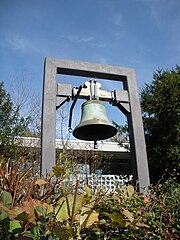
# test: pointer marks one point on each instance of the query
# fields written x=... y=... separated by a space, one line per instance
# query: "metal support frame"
x=127 y=101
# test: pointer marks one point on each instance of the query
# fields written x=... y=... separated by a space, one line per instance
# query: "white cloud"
x=89 y=39
x=17 y=42
x=74 y=38
x=100 y=44
x=86 y=39
x=118 y=20
x=22 y=44
x=119 y=34
x=103 y=60
x=161 y=11
x=155 y=12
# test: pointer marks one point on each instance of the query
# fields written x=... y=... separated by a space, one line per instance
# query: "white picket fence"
x=108 y=183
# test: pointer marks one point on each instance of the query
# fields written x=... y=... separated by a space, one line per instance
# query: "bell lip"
x=95 y=121
x=89 y=137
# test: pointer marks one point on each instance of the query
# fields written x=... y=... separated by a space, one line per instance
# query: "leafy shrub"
x=40 y=208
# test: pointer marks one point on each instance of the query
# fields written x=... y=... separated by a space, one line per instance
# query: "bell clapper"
x=95 y=145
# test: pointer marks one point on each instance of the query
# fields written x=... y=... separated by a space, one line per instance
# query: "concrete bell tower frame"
x=126 y=100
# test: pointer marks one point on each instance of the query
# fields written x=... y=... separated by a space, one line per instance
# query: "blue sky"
x=142 y=34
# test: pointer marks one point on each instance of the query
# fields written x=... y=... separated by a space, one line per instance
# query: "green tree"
x=12 y=124
x=160 y=103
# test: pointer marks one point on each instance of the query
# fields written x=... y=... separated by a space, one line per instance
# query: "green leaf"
x=6 y=198
x=116 y=217
x=36 y=231
x=40 y=182
x=4 y=225
x=12 y=213
x=15 y=226
x=59 y=171
x=66 y=205
x=3 y=215
x=90 y=219
x=130 y=190
x=88 y=190
x=143 y=225
x=41 y=210
x=62 y=231
x=128 y=214
x=28 y=234
x=22 y=216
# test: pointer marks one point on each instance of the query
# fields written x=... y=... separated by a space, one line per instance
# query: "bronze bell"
x=94 y=124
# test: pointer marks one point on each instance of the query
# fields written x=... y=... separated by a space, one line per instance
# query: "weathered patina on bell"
x=94 y=124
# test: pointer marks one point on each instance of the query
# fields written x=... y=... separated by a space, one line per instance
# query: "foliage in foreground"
x=54 y=209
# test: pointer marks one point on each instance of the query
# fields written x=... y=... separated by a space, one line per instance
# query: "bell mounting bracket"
x=91 y=90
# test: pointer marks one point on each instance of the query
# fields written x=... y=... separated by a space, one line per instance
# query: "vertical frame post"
x=136 y=132
x=48 y=132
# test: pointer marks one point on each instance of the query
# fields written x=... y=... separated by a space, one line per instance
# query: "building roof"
x=109 y=148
